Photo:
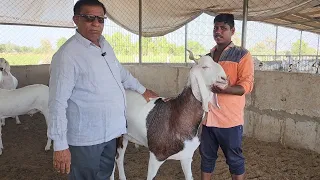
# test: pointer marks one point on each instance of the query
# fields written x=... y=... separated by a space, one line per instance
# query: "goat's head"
x=4 y=66
x=203 y=75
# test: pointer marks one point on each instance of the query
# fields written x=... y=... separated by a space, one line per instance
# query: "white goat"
x=26 y=100
x=170 y=129
x=257 y=63
x=8 y=82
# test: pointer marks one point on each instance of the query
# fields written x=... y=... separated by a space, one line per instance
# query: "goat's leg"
x=112 y=175
x=18 y=120
x=45 y=113
x=48 y=146
x=153 y=166
x=1 y=145
x=2 y=122
x=120 y=159
x=122 y=144
x=186 y=167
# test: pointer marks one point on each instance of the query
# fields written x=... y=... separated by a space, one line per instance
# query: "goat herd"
x=169 y=129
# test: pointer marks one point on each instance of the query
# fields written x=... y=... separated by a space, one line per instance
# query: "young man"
x=87 y=98
x=224 y=127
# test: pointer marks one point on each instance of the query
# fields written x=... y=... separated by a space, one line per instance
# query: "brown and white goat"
x=170 y=129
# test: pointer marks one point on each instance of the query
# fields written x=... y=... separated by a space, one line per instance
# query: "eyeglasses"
x=91 y=18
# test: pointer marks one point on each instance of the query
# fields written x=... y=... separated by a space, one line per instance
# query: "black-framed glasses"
x=91 y=18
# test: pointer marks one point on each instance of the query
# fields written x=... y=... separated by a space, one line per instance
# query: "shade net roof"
x=160 y=17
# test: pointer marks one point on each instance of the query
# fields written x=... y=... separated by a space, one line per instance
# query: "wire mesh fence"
x=273 y=47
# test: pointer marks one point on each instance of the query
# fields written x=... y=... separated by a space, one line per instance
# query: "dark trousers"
x=230 y=140
x=94 y=162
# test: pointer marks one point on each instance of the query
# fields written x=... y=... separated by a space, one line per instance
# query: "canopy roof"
x=160 y=17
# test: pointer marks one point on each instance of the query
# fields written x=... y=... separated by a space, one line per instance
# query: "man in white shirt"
x=87 y=98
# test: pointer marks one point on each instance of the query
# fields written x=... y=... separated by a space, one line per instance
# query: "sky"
x=198 y=30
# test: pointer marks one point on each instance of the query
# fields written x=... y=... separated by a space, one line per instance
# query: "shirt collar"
x=87 y=43
x=228 y=47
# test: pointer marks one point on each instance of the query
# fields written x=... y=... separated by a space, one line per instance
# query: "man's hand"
x=235 y=90
x=62 y=161
x=149 y=94
x=219 y=84
x=216 y=89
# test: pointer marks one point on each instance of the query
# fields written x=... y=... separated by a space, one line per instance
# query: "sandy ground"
x=24 y=158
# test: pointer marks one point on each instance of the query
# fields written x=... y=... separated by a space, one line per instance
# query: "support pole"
x=140 y=31
x=244 y=23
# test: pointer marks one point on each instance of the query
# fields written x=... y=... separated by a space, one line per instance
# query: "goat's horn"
x=191 y=56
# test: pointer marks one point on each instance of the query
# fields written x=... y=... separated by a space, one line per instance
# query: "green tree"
x=26 y=49
x=305 y=48
x=121 y=43
x=148 y=46
x=266 y=47
x=161 y=45
x=45 y=47
x=196 y=48
x=236 y=39
x=61 y=41
x=10 y=48
x=2 y=48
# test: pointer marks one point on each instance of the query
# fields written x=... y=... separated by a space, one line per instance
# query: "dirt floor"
x=24 y=158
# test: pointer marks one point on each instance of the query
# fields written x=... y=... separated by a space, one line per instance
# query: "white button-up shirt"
x=87 y=98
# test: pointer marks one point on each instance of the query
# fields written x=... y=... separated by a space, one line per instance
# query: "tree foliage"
x=305 y=48
x=125 y=45
x=61 y=41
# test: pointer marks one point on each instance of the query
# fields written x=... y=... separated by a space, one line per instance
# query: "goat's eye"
x=1 y=69
x=205 y=67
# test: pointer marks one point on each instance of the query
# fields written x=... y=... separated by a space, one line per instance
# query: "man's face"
x=88 y=25
x=222 y=33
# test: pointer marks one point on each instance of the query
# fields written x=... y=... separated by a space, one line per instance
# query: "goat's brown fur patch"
x=170 y=123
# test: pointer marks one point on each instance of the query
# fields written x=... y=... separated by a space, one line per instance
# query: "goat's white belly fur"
x=189 y=147
x=17 y=106
x=137 y=111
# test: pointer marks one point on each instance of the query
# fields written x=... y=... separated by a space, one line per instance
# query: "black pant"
x=230 y=140
x=94 y=162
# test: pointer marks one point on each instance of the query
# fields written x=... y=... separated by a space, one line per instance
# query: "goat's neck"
x=188 y=97
x=190 y=107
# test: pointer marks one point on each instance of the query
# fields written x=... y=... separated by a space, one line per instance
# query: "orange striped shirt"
x=238 y=65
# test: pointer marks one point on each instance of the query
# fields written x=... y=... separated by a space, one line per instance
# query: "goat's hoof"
x=18 y=122
x=47 y=148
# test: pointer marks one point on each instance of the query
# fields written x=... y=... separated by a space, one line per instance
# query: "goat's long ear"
x=7 y=67
x=200 y=90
